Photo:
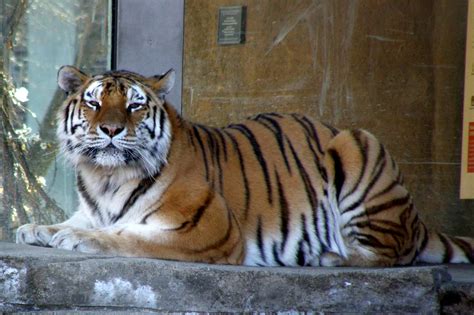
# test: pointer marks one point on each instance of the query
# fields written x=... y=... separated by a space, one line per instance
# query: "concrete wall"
x=393 y=67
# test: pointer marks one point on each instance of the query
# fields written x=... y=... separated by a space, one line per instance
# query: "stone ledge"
x=33 y=278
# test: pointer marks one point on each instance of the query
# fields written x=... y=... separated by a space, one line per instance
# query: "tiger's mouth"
x=109 y=156
x=111 y=149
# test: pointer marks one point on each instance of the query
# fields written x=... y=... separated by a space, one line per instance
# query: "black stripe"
x=310 y=192
x=424 y=242
x=465 y=247
x=243 y=172
x=315 y=222
x=221 y=241
x=384 y=191
x=363 y=150
x=405 y=236
x=300 y=257
x=162 y=122
x=274 y=114
x=316 y=161
x=327 y=228
x=305 y=233
x=215 y=154
x=91 y=203
x=415 y=224
x=314 y=133
x=284 y=213
x=379 y=168
x=219 y=165
x=394 y=165
x=260 y=239
x=333 y=130
x=120 y=84
x=148 y=114
x=311 y=134
x=258 y=154
x=194 y=220
x=106 y=187
x=223 y=141
x=339 y=175
x=145 y=218
x=448 y=250
x=108 y=87
x=79 y=114
x=140 y=190
x=191 y=138
x=276 y=257
x=71 y=118
x=200 y=211
x=387 y=205
x=309 y=189
x=210 y=140
x=372 y=241
x=275 y=128
x=69 y=145
x=66 y=117
x=153 y=134
x=73 y=128
x=309 y=130
x=203 y=151
x=376 y=225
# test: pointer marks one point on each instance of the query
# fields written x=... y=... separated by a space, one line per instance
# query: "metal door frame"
x=147 y=37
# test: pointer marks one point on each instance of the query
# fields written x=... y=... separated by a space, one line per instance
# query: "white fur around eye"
x=136 y=98
x=93 y=104
x=92 y=95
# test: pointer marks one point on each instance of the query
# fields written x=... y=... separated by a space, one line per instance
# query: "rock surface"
x=33 y=278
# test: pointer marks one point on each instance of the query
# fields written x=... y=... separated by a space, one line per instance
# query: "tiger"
x=273 y=190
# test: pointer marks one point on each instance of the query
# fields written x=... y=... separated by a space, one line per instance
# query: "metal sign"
x=231 y=28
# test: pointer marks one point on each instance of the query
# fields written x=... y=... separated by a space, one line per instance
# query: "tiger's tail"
x=436 y=248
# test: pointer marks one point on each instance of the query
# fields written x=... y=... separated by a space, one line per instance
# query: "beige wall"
x=395 y=68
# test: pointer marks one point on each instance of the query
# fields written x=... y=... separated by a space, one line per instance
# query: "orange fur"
x=272 y=190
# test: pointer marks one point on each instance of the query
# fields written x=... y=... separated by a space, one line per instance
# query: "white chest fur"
x=116 y=196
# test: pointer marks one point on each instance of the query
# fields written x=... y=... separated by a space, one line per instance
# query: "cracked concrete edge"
x=38 y=278
x=457 y=298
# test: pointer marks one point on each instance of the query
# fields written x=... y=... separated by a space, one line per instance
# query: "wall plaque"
x=231 y=28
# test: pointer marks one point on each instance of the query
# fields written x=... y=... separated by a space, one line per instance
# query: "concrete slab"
x=33 y=278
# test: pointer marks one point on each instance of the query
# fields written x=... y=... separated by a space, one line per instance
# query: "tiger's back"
x=270 y=171
x=273 y=190
x=283 y=176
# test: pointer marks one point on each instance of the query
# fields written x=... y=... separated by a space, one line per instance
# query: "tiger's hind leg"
x=377 y=220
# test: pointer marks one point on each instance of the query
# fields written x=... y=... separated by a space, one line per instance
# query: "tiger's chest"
x=110 y=199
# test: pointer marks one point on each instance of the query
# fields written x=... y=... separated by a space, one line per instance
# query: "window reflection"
x=39 y=36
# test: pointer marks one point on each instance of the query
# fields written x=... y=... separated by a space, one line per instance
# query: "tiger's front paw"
x=32 y=234
x=78 y=240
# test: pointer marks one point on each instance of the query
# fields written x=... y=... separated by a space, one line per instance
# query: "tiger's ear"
x=70 y=78
x=162 y=84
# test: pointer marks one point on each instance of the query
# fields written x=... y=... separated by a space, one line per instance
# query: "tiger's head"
x=115 y=120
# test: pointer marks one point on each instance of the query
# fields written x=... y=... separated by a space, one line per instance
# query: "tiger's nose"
x=111 y=130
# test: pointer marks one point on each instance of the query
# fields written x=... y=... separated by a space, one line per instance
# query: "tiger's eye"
x=134 y=106
x=95 y=105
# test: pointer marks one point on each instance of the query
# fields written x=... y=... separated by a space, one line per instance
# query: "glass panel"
x=38 y=36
